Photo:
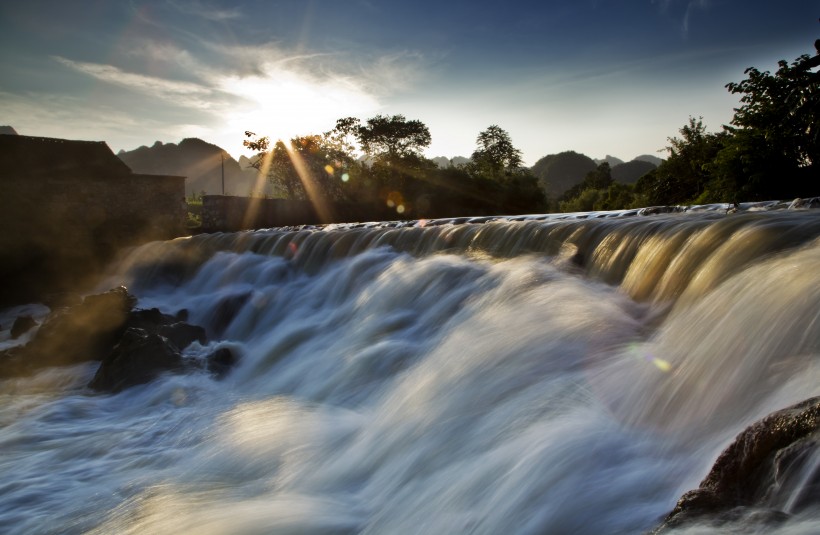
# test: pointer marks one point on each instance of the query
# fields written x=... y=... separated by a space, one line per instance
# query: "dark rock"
x=766 y=474
x=153 y=321
x=220 y=362
x=138 y=358
x=182 y=334
x=22 y=325
x=149 y=319
x=133 y=345
x=182 y=314
x=226 y=310
x=87 y=331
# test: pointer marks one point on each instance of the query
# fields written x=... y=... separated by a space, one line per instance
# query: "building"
x=67 y=206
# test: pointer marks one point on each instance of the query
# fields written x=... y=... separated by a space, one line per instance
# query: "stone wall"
x=67 y=206
x=227 y=214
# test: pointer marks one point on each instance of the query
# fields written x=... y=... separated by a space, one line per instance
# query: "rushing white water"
x=558 y=376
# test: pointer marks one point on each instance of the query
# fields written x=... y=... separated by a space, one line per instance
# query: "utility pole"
x=222 y=161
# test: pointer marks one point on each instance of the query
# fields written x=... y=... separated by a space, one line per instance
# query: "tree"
x=495 y=155
x=388 y=137
x=784 y=107
x=772 y=148
x=309 y=165
x=684 y=175
x=598 y=179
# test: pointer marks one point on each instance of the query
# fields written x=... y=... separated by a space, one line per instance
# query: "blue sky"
x=596 y=76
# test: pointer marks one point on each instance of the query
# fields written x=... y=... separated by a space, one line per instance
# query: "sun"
x=283 y=103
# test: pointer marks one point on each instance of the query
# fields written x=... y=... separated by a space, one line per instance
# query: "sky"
x=599 y=77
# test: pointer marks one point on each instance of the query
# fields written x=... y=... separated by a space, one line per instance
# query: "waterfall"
x=538 y=375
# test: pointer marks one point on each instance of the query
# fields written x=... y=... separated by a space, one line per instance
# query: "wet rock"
x=138 y=358
x=769 y=472
x=150 y=319
x=22 y=325
x=220 y=362
x=226 y=310
x=90 y=330
x=79 y=333
x=182 y=334
x=153 y=321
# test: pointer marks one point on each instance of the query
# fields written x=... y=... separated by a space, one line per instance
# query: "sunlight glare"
x=283 y=103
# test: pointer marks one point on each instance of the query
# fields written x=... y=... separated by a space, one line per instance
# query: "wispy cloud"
x=187 y=94
x=687 y=7
x=205 y=10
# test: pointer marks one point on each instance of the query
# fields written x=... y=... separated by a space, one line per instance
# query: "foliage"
x=394 y=175
x=307 y=167
x=383 y=137
x=683 y=176
x=598 y=191
x=770 y=150
x=495 y=156
x=784 y=108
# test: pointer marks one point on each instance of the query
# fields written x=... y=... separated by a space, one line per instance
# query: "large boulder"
x=90 y=330
x=73 y=334
x=768 y=473
x=138 y=358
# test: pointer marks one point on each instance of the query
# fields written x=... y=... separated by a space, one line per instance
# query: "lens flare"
x=659 y=363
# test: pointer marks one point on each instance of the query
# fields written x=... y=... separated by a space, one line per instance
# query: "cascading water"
x=536 y=376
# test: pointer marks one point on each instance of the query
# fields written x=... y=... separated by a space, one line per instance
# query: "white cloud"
x=186 y=94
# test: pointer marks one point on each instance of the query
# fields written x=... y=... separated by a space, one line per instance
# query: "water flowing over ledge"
x=528 y=375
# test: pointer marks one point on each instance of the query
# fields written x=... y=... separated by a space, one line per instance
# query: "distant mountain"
x=201 y=162
x=630 y=172
x=7 y=130
x=611 y=160
x=649 y=158
x=444 y=162
x=559 y=172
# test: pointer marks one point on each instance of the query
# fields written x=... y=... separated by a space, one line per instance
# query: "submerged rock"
x=21 y=326
x=138 y=358
x=226 y=311
x=220 y=362
x=770 y=471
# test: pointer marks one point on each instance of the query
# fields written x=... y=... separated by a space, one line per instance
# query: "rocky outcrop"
x=138 y=358
x=134 y=346
x=770 y=471
x=79 y=333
